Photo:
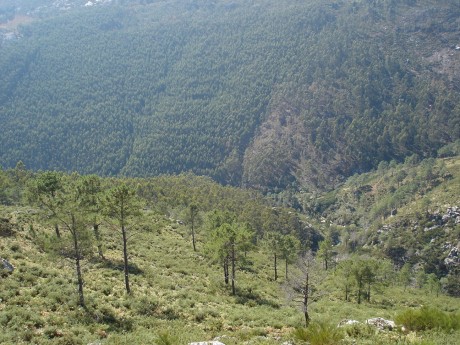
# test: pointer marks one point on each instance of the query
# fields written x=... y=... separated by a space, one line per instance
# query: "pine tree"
x=121 y=205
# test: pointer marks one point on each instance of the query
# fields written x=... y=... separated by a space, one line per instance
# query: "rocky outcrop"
x=452 y=214
x=453 y=258
x=381 y=323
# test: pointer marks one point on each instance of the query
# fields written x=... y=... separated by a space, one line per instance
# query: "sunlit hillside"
x=179 y=295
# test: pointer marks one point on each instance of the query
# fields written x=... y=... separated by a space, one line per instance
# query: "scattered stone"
x=431 y=228
x=221 y=337
x=447 y=246
x=452 y=214
x=9 y=268
x=58 y=333
x=381 y=323
x=384 y=228
x=213 y=342
x=453 y=258
x=347 y=322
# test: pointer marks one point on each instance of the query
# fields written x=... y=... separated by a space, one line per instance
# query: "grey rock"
x=453 y=258
x=7 y=266
x=347 y=322
x=381 y=323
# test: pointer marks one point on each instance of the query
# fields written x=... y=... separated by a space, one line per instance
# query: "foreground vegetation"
x=181 y=291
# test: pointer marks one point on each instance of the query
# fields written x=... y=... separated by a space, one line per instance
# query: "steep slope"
x=409 y=213
x=178 y=295
x=266 y=93
x=377 y=85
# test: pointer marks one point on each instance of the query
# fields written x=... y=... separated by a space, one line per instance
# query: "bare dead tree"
x=305 y=286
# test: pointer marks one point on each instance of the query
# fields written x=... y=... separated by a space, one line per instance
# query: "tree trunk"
x=359 y=293
x=56 y=229
x=346 y=292
x=276 y=271
x=97 y=234
x=193 y=238
x=76 y=248
x=307 y=318
x=369 y=292
x=305 y=302
x=233 y=270
x=125 y=257
x=193 y=213
x=286 y=269
x=226 y=270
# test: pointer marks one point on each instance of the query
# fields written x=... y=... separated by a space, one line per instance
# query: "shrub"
x=200 y=316
x=319 y=334
x=214 y=325
x=147 y=306
x=169 y=314
x=427 y=318
x=164 y=338
x=27 y=336
x=15 y=247
x=359 y=330
x=69 y=339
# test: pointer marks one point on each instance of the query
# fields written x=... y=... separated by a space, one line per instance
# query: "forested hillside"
x=264 y=93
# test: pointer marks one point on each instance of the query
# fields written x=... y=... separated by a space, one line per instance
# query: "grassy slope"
x=443 y=195
x=175 y=290
x=352 y=203
x=178 y=295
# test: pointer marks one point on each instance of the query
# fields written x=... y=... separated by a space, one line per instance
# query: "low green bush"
x=319 y=333
x=165 y=338
x=360 y=330
x=147 y=306
x=427 y=318
x=169 y=314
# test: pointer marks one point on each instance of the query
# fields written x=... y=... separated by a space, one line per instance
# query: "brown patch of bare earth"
x=15 y=22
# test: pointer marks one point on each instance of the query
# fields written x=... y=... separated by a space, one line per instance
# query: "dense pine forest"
x=265 y=94
x=243 y=172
